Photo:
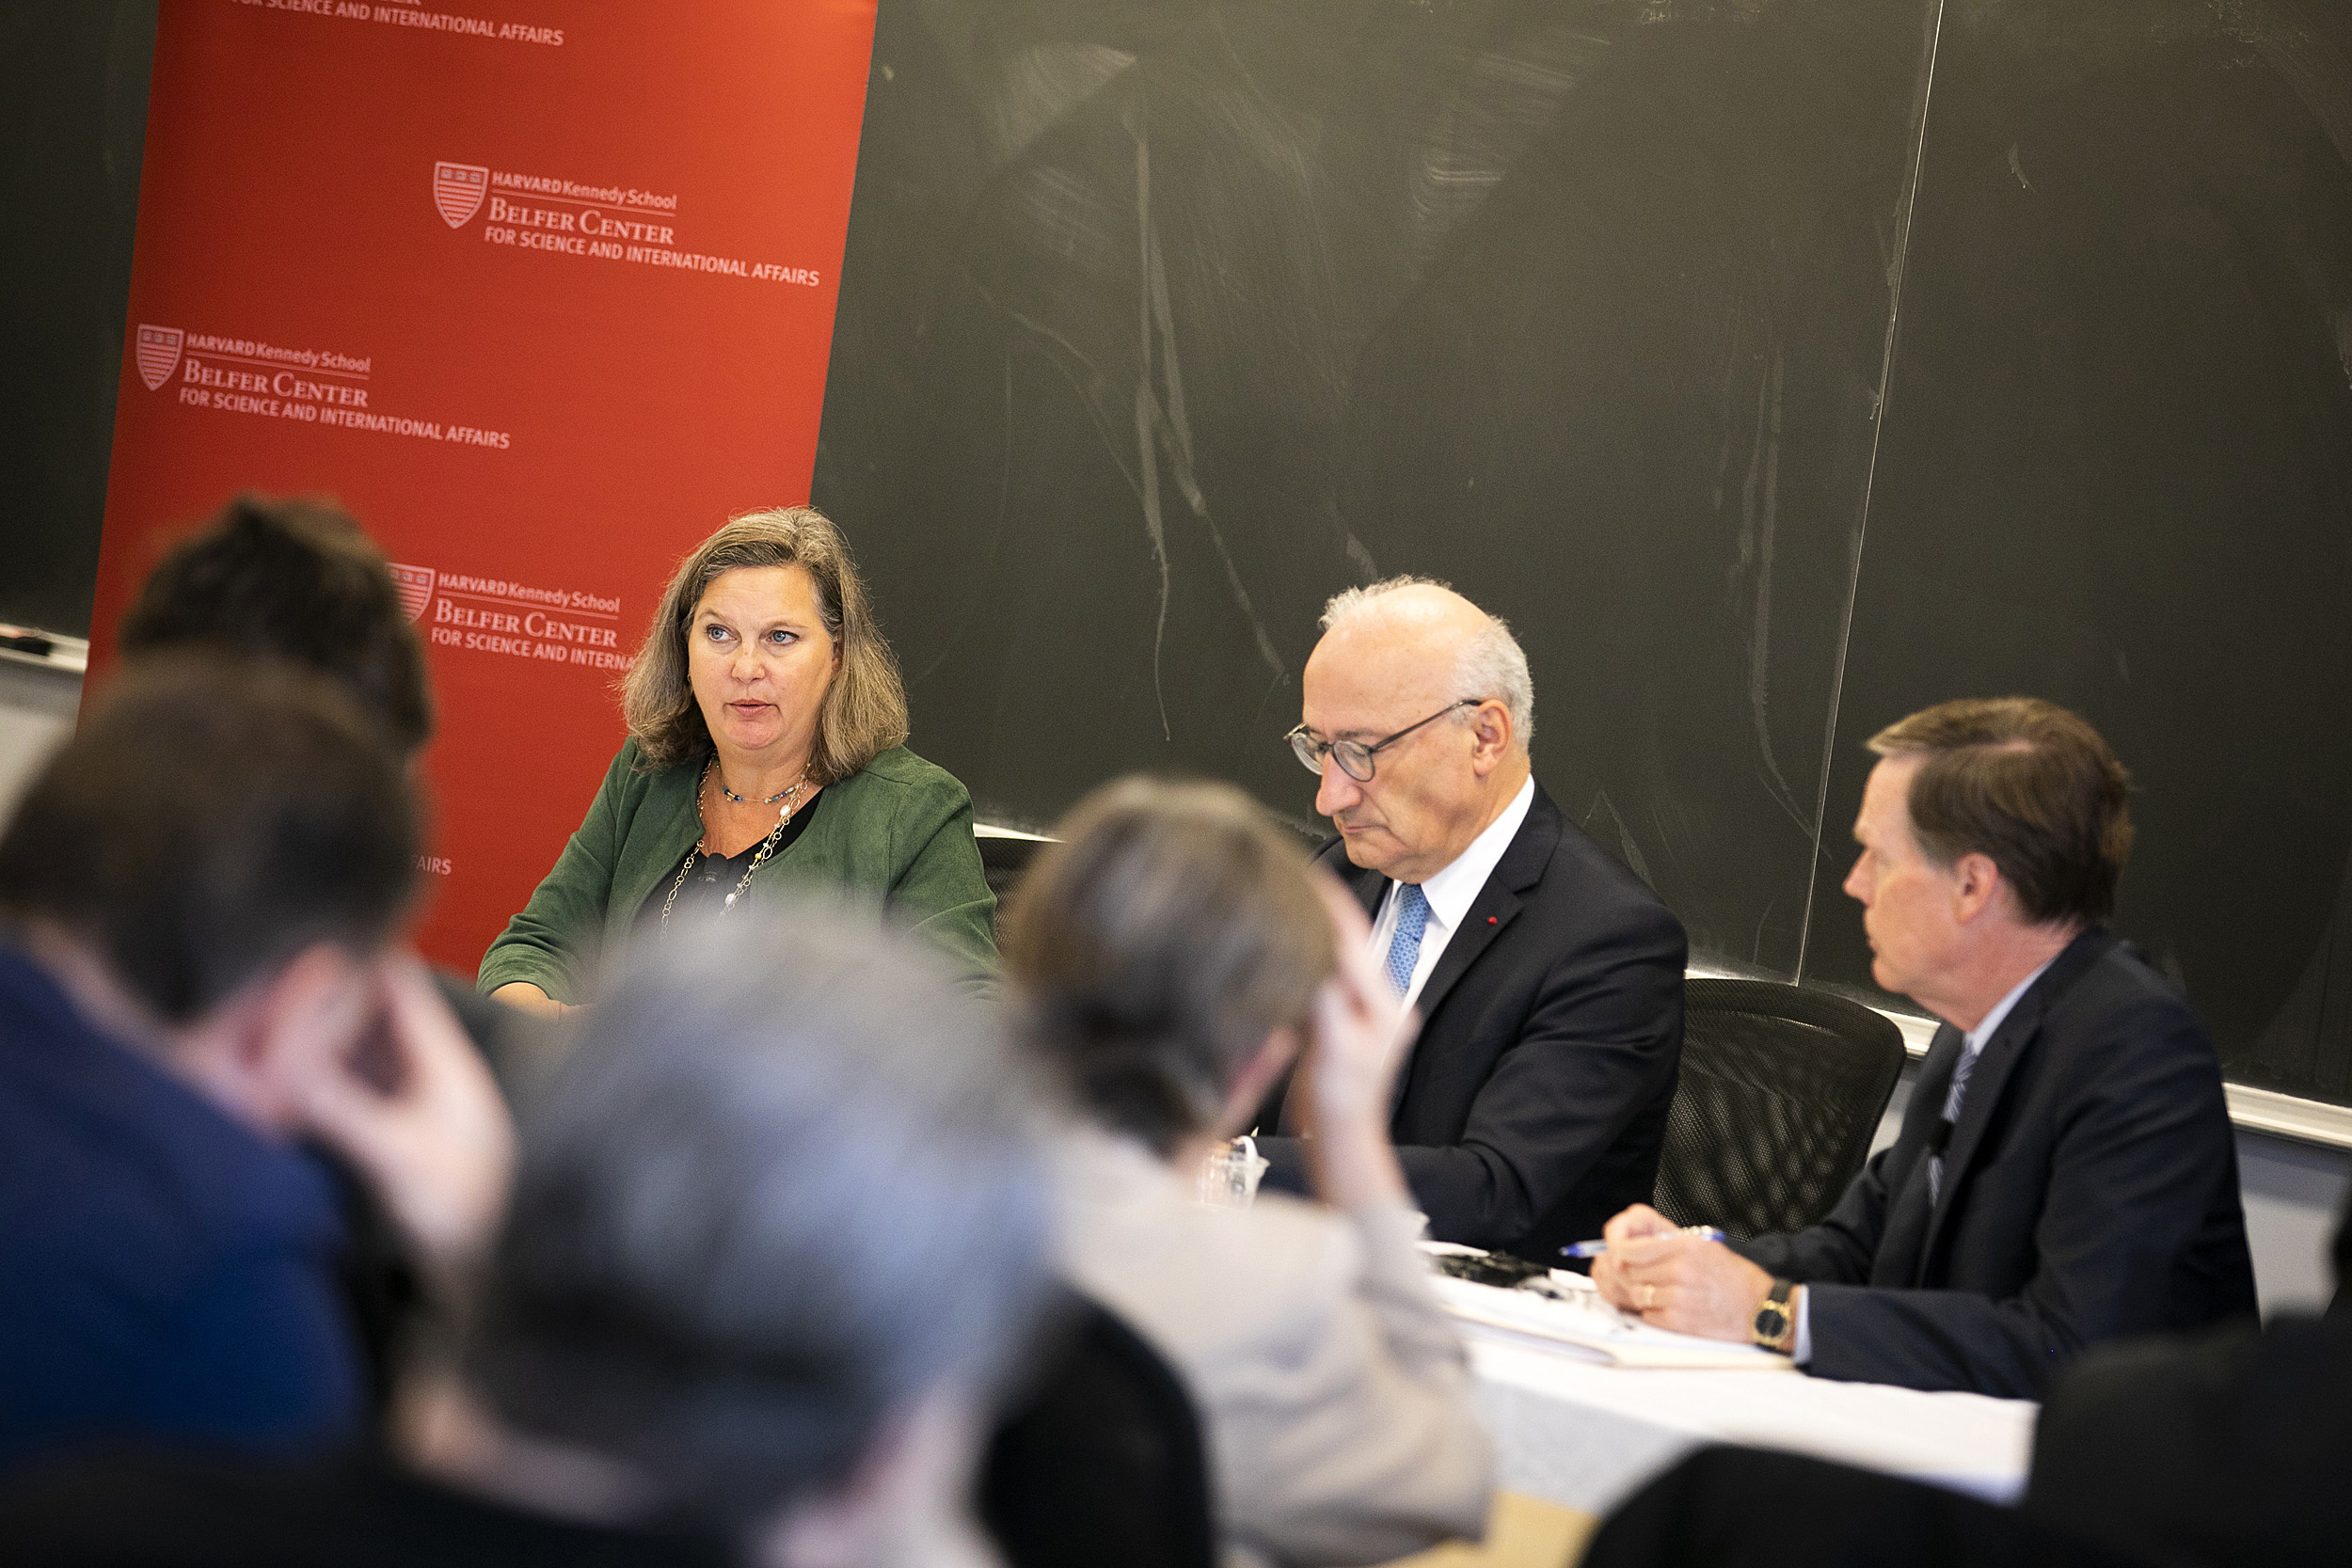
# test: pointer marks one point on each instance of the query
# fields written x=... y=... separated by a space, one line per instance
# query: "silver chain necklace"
x=791 y=798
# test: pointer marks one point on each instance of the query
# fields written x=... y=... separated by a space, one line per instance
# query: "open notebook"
x=1563 y=1312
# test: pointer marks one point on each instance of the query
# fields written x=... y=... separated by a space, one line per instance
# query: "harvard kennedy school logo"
x=459 y=190
x=159 y=353
x=416 y=588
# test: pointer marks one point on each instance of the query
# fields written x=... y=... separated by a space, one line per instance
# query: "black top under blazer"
x=2089 y=1193
x=1535 y=1104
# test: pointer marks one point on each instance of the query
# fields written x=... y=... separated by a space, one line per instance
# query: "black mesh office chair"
x=1004 y=860
x=1781 y=1093
x=1103 y=1462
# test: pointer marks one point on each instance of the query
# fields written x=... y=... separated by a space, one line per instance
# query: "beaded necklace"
x=791 y=798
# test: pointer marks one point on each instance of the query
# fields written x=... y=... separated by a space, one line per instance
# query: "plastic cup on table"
x=1229 y=1177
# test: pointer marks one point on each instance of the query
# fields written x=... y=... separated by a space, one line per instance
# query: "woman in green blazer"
x=766 y=719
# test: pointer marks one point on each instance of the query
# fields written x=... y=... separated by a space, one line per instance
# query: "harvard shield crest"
x=416 y=588
x=459 y=190
x=159 y=353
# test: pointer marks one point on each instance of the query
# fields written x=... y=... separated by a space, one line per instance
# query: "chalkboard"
x=1776 y=367
x=73 y=118
x=2117 y=470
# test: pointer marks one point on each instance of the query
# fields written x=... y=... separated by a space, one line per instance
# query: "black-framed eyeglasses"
x=1354 y=757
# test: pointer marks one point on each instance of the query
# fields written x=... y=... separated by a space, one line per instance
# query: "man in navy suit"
x=200 y=900
x=2066 y=1172
x=1548 y=977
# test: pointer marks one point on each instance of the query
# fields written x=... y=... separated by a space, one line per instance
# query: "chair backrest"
x=1780 y=1095
x=1003 y=861
x=1103 y=1462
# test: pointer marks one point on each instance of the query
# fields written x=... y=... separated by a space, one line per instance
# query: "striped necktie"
x=1958 y=1092
x=1412 y=918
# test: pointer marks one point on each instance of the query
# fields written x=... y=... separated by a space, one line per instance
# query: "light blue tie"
x=1412 y=918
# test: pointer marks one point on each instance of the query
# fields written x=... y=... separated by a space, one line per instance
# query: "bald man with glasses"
x=1532 y=1103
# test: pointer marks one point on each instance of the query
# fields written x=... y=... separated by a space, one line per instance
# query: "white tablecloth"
x=1582 y=1435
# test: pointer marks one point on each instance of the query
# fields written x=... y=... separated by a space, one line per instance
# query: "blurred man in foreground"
x=777 y=1231
x=297 y=581
x=200 y=900
x=2066 y=1173
x=2220 y=1448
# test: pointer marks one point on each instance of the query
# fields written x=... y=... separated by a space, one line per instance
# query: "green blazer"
x=898 y=828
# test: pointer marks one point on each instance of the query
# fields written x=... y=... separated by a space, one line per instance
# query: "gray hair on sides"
x=1493 y=665
x=790 y=1182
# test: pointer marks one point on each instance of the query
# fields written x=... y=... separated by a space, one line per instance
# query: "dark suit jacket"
x=2226 y=1448
x=2090 y=1193
x=1748 y=1508
x=167 y=1274
x=1535 y=1104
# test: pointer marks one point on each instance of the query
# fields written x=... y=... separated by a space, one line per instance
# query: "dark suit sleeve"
x=2144 y=1148
x=256 y=1356
x=1606 y=1026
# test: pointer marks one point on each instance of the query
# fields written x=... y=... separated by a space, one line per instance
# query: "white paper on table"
x=1574 y=1317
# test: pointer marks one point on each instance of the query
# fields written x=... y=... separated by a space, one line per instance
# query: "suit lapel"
x=1995 y=1063
x=1904 y=1246
x=1490 y=913
x=1521 y=868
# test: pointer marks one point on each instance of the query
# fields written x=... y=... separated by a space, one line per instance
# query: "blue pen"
x=1594 y=1249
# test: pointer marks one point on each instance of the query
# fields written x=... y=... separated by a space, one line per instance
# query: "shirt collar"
x=1992 y=1020
x=1451 y=891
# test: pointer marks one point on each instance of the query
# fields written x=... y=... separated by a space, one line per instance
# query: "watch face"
x=1772 y=1322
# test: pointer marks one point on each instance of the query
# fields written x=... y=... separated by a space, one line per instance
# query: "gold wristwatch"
x=1775 y=1325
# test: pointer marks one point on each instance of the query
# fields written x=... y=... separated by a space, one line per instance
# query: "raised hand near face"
x=416 y=1113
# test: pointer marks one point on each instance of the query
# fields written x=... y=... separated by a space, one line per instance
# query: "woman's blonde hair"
x=864 y=711
x=1173 y=928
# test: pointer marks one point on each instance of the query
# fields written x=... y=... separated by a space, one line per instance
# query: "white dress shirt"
x=1450 y=893
x=1972 y=1046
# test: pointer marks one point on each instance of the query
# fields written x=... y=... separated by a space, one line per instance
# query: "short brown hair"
x=2027 y=785
x=296 y=580
x=208 y=822
x=1173 y=928
x=864 y=711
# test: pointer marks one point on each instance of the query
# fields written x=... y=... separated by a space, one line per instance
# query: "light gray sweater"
x=1335 y=1398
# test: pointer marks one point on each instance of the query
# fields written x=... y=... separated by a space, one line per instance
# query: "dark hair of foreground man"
x=207 y=821
x=294 y=580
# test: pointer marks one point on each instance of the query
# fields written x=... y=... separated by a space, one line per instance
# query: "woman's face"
x=760 y=661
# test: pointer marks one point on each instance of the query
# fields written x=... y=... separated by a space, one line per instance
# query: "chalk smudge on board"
x=1041 y=85
x=995 y=542
x=1604 y=807
x=2307 y=62
x=1760 y=519
x=1162 y=430
x=1504 y=101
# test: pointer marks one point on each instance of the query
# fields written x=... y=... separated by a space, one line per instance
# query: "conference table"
x=1581 y=1435
x=1573 y=1436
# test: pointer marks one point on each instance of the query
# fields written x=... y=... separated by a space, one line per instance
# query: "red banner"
x=542 y=292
